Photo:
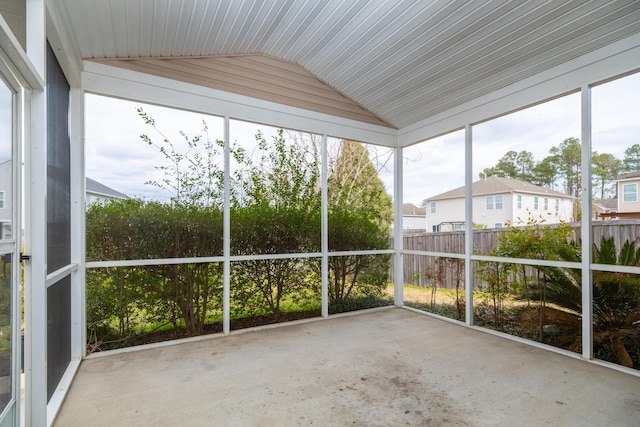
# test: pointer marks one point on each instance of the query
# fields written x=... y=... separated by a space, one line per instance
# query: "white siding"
x=452 y=210
x=491 y=217
x=549 y=216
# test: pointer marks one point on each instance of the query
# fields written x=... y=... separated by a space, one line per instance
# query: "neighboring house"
x=6 y=199
x=496 y=201
x=603 y=209
x=628 y=199
x=413 y=218
x=100 y=193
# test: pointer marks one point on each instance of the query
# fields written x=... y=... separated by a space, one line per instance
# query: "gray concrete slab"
x=384 y=367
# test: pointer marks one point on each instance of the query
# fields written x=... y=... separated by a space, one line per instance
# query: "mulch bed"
x=210 y=328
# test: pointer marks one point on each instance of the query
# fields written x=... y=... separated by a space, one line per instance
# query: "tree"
x=631 y=161
x=605 y=168
x=277 y=212
x=513 y=165
x=360 y=216
x=283 y=175
x=192 y=177
x=567 y=159
x=352 y=230
x=354 y=181
x=545 y=172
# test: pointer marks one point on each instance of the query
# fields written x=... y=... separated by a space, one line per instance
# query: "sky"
x=117 y=157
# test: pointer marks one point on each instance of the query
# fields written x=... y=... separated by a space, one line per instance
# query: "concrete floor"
x=385 y=367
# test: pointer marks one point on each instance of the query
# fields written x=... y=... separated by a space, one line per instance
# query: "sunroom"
x=280 y=140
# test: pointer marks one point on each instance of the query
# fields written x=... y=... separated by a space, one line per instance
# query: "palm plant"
x=616 y=301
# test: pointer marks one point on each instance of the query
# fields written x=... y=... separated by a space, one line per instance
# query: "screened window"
x=535 y=203
x=630 y=192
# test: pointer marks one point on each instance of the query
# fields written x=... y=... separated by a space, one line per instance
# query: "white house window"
x=498 y=202
x=557 y=205
x=630 y=192
x=519 y=201
x=434 y=228
x=546 y=204
x=490 y=203
x=535 y=203
x=433 y=207
x=497 y=225
x=1 y=199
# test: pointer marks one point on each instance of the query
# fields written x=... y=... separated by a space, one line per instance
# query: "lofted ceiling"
x=391 y=63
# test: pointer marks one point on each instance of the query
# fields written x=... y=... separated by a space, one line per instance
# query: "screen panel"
x=58 y=166
x=58 y=223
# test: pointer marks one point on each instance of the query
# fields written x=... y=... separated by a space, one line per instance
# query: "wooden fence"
x=422 y=270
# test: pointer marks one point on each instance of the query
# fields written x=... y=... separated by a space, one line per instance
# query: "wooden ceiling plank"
x=257 y=89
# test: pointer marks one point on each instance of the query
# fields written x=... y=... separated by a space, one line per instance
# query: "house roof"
x=393 y=63
x=607 y=204
x=499 y=185
x=630 y=175
x=409 y=209
x=96 y=187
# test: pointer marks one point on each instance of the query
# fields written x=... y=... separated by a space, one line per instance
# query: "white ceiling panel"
x=402 y=61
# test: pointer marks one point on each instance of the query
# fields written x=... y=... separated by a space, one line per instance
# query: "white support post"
x=78 y=191
x=35 y=277
x=398 y=265
x=587 y=290
x=324 y=228
x=468 y=223
x=35 y=243
x=226 y=287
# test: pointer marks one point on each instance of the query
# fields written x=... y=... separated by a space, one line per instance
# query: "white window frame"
x=2 y=193
x=519 y=198
x=535 y=203
x=432 y=207
x=546 y=204
x=499 y=202
x=489 y=203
